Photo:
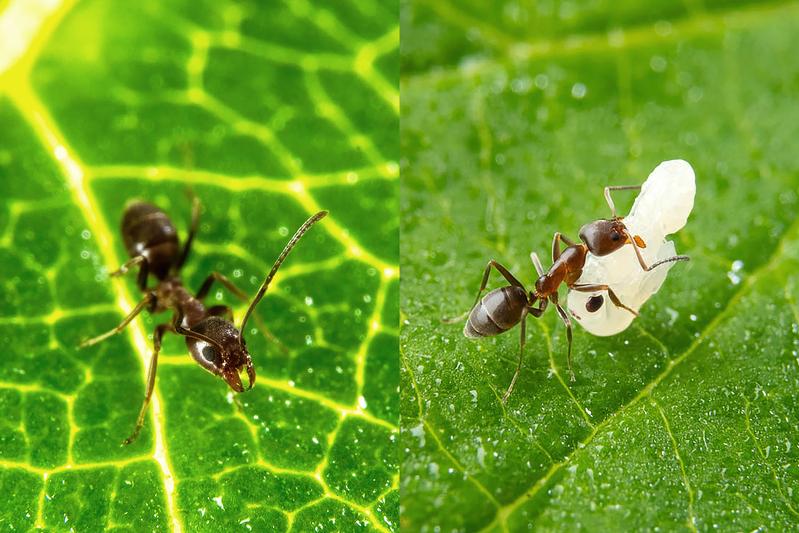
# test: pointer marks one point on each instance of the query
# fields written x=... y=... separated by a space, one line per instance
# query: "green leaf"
x=688 y=419
x=268 y=113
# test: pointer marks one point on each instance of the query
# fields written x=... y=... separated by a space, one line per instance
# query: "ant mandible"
x=503 y=308
x=212 y=339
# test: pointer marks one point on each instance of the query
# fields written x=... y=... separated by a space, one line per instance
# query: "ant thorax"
x=661 y=208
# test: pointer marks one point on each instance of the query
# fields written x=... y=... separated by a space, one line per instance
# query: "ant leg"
x=538 y=311
x=568 y=323
x=159 y=333
x=537 y=263
x=202 y=292
x=221 y=310
x=136 y=310
x=141 y=279
x=599 y=287
x=556 y=240
x=617 y=188
x=502 y=270
x=522 y=342
x=216 y=276
x=195 y=222
x=657 y=263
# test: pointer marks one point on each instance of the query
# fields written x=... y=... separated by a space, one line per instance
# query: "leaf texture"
x=513 y=120
x=267 y=113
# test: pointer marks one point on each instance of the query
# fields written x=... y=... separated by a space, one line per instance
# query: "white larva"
x=661 y=208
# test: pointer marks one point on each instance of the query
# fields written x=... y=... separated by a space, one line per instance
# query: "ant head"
x=218 y=346
x=227 y=355
x=604 y=236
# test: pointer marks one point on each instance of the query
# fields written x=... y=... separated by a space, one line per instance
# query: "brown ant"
x=503 y=308
x=212 y=339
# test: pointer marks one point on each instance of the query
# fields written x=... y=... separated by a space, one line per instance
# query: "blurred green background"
x=514 y=116
x=268 y=112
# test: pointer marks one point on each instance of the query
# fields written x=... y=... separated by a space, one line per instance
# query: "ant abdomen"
x=498 y=311
x=148 y=232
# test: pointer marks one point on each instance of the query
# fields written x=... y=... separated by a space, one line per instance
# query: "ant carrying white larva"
x=600 y=264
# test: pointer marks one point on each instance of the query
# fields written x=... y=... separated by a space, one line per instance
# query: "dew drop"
x=579 y=90
x=218 y=500
x=658 y=63
x=418 y=432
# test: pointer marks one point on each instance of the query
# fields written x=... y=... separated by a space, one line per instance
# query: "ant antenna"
x=297 y=236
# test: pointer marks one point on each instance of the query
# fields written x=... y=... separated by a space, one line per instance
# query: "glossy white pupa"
x=661 y=208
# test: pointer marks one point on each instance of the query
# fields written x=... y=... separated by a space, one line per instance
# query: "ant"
x=212 y=339
x=503 y=308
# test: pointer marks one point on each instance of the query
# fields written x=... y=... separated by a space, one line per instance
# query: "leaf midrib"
x=16 y=85
x=71 y=167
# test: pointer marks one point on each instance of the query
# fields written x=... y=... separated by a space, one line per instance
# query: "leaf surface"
x=268 y=114
x=688 y=419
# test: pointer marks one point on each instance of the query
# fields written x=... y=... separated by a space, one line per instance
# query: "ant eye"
x=615 y=236
x=594 y=303
x=211 y=355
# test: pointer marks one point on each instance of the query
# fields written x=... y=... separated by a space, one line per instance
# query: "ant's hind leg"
x=568 y=323
x=599 y=287
x=141 y=278
x=159 y=333
x=522 y=342
x=136 y=310
x=609 y=200
x=505 y=274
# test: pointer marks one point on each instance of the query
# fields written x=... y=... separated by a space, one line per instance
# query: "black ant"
x=212 y=339
x=503 y=308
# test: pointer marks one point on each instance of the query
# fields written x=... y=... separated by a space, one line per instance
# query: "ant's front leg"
x=202 y=292
x=617 y=188
x=157 y=336
x=136 y=310
x=502 y=270
x=593 y=287
x=141 y=279
x=221 y=310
